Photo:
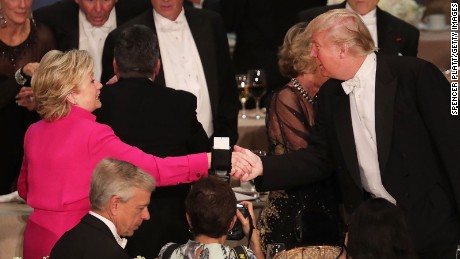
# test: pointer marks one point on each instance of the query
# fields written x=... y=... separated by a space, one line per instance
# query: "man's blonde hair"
x=344 y=28
x=58 y=75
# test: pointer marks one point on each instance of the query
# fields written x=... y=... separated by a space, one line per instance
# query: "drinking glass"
x=243 y=93
x=276 y=250
x=257 y=86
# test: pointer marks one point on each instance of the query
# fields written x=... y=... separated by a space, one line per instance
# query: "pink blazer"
x=59 y=158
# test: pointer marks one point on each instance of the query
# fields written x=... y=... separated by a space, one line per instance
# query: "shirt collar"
x=121 y=241
x=166 y=24
x=363 y=75
x=370 y=16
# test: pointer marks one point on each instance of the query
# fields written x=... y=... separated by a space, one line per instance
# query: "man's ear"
x=157 y=68
x=115 y=67
x=114 y=204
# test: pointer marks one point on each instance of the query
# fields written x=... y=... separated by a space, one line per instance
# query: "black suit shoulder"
x=89 y=239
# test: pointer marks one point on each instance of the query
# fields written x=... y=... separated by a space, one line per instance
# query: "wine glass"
x=276 y=250
x=257 y=86
x=243 y=92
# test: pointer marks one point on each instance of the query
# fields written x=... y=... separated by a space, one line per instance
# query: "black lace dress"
x=289 y=121
x=14 y=120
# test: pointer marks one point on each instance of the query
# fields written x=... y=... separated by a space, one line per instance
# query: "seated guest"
x=289 y=123
x=84 y=24
x=173 y=130
x=62 y=150
x=211 y=213
x=378 y=229
x=23 y=42
x=390 y=34
x=119 y=194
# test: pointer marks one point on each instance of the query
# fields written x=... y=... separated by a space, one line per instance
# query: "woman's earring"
x=3 y=21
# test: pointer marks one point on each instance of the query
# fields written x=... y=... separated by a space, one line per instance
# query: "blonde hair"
x=344 y=28
x=294 y=55
x=58 y=75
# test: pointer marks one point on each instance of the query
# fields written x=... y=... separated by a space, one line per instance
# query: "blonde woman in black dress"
x=289 y=123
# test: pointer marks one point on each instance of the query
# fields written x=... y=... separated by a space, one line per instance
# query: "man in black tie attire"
x=384 y=128
x=390 y=34
x=119 y=195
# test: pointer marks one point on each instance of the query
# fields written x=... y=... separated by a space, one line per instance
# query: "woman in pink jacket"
x=62 y=150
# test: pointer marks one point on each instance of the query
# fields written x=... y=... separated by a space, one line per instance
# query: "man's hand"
x=245 y=164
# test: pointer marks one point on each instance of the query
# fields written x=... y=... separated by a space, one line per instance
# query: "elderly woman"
x=211 y=213
x=62 y=150
x=289 y=122
x=22 y=43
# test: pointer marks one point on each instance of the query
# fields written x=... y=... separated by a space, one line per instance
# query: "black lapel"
x=97 y=223
x=385 y=92
x=344 y=128
x=381 y=27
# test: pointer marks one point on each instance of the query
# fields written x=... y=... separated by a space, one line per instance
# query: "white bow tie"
x=121 y=241
x=349 y=85
x=172 y=26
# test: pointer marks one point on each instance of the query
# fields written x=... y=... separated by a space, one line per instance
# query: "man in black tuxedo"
x=160 y=121
x=84 y=24
x=119 y=195
x=383 y=129
x=195 y=58
x=391 y=35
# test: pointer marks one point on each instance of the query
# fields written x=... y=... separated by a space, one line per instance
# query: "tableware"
x=257 y=86
x=239 y=189
x=276 y=250
x=425 y=27
x=435 y=21
x=241 y=81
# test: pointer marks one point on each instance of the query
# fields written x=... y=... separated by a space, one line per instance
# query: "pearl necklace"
x=303 y=92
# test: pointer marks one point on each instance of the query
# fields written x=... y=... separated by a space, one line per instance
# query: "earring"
x=31 y=17
x=3 y=21
x=190 y=230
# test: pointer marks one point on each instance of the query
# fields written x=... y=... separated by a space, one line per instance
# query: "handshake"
x=241 y=164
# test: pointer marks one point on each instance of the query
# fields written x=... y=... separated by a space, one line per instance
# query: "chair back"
x=313 y=252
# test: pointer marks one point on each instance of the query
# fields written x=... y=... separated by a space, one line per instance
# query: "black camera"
x=236 y=233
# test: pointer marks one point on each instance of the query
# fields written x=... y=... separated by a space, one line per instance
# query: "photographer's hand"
x=255 y=238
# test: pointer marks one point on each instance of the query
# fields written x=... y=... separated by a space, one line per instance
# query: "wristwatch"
x=20 y=77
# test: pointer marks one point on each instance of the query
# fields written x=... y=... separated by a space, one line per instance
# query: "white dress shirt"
x=370 y=20
x=121 y=241
x=182 y=65
x=92 y=38
x=361 y=91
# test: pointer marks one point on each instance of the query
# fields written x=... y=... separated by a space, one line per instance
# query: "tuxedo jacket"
x=160 y=121
x=89 y=239
x=211 y=42
x=394 y=35
x=62 y=18
x=418 y=147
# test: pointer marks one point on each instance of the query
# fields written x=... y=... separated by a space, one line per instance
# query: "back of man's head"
x=136 y=52
x=116 y=178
